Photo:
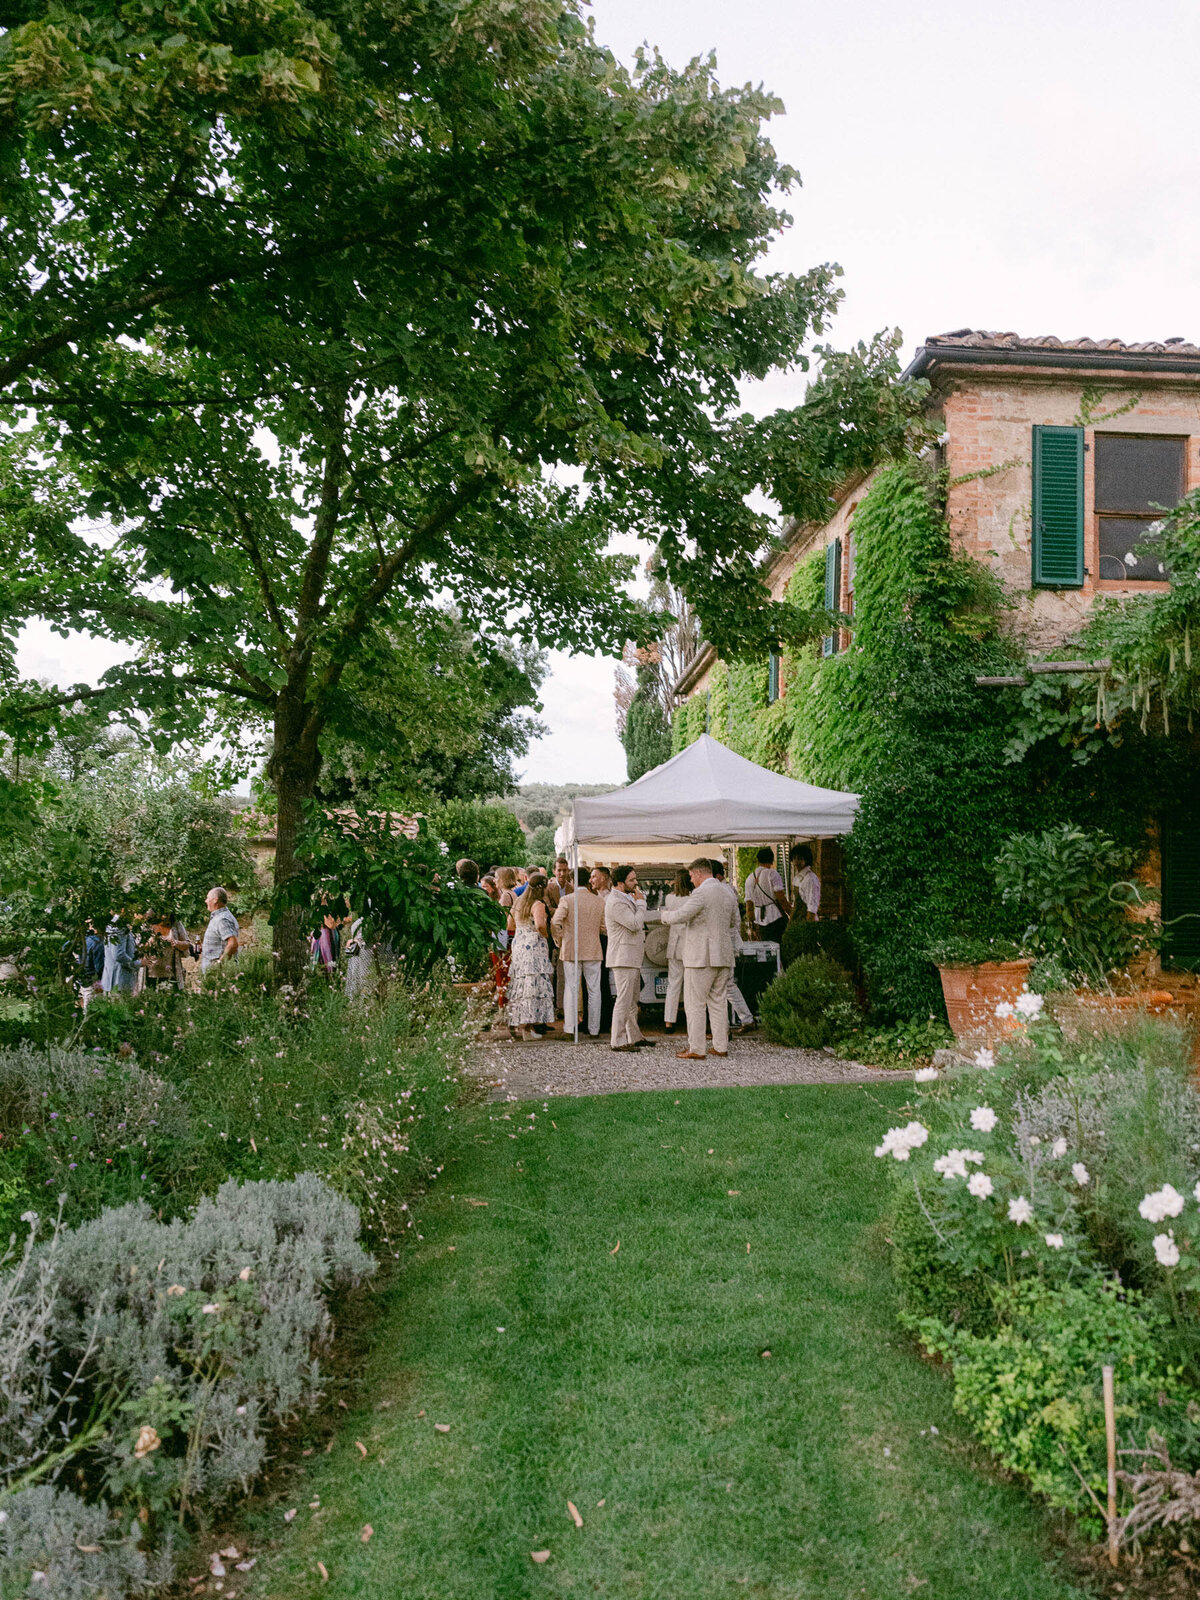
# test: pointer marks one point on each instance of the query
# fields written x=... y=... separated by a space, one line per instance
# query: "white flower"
x=983 y=1119
x=1020 y=1211
x=1055 y=1241
x=954 y=1163
x=901 y=1142
x=1034 y=1140
x=1058 y=1149
x=1081 y=1174
x=1130 y=559
x=985 y=1058
x=1196 y=1191
x=980 y=1185
x=147 y=1440
x=925 y=1075
x=1162 y=1203
x=1166 y=1249
x=1004 y=1009
x=210 y=1308
x=1029 y=1005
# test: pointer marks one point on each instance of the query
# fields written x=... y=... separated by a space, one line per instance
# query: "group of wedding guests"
x=577 y=930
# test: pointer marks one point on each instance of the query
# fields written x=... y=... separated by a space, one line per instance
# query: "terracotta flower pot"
x=972 y=994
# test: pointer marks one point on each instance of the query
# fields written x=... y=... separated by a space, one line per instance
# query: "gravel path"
x=557 y=1066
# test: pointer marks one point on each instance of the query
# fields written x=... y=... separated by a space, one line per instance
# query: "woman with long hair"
x=530 y=977
x=680 y=890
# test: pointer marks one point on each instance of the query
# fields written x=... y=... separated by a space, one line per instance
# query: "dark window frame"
x=1140 y=517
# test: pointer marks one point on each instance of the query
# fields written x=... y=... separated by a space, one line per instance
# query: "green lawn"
x=635 y=1384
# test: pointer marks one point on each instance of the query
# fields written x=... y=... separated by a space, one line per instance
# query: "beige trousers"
x=674 y=990
x=707 y=989
x=628 y=984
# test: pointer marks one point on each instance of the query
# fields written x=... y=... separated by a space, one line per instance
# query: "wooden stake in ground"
x=1110 y=1436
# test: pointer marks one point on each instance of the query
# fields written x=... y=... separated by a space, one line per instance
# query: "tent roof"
x=709 y=794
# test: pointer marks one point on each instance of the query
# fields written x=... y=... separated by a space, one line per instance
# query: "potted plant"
x=977 y=975
x=1089 y=923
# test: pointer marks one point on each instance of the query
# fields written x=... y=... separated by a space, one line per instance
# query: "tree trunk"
x=294 y=769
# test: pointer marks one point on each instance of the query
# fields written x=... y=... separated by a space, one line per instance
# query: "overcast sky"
x=1027 y=166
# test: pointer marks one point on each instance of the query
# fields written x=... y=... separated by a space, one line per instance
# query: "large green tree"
x=309 y=308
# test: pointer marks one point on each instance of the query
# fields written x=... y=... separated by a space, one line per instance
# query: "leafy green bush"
x=903 y=1044
x=1032 y=1389
x=1073 y=884
x=150 y=1357
x=832 y=939
x=405 y=890
x=488 y=834
x=809 y=1004
x=972 y=951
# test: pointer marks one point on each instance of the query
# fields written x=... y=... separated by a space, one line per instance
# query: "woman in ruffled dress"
x=530 y=1000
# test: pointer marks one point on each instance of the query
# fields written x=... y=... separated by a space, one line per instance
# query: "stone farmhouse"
x=1058 y=455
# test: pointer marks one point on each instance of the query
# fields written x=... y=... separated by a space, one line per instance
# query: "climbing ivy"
x=899 y=718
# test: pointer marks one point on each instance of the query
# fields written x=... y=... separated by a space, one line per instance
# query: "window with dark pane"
x=772 y=678
x=1137 y=478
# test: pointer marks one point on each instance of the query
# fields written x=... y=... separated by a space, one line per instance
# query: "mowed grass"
x=634 y=1382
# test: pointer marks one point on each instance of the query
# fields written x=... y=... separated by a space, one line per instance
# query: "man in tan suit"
x=587 y=909
x=625 y=925
x=709 y=920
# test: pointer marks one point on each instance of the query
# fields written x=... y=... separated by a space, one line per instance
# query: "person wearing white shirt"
x=681 y=891
x=624 y=921
x=741 y=1011
x=709 y=919
x=769 y=906
x=807 y=884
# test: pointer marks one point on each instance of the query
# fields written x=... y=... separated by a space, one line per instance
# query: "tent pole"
x=575 y=919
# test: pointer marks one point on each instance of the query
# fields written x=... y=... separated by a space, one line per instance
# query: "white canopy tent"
x=707 y=794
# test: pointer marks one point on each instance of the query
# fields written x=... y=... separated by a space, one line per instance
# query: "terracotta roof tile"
x=979 y=339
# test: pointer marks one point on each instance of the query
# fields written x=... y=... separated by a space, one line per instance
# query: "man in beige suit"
x=587 y=909
x=709 y=920
x=625 y=925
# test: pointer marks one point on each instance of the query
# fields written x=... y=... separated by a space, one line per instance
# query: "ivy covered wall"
x=898 y=718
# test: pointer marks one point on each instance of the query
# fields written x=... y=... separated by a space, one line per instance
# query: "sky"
x=1024 y=167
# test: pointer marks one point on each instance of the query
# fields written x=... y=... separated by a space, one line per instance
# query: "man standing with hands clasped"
x=709 y=918
x=624 y=920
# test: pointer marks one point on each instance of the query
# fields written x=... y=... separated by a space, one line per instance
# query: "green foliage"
x=1032 y=1388
x=432 y=713
x=931 y=1286
x=489 y=834
x=903 y=1044
x=131 y=834
x=831 y=938
x=179 y=1343
x=647 y=735
x=405 y=890
x=236 y=1081
x=967 y=950
x=1153 y=642
x=1073 y=884
x=811 y=1003
x=539 y=848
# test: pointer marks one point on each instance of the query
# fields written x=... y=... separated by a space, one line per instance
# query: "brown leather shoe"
x=721 y=1053
x=688 y=1055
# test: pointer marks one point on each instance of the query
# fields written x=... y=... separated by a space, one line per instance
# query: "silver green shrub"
x=56 y=1547
x=157 y=1353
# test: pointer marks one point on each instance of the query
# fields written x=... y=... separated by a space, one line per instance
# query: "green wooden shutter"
x=833 y=589
x=1181 y=890
x=772 y=678
x=1058 y=508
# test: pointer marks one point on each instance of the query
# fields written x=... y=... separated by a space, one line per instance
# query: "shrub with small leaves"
x=152 y=1356
x=57 y=1547
x=810 y=1003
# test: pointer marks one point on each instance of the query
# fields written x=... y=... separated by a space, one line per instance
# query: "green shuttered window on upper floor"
x=833 y=590
x=1057 y=508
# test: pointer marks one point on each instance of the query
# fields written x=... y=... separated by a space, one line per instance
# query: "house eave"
x=931 y=361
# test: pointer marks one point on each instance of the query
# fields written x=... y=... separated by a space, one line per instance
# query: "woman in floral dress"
x=531 y=977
